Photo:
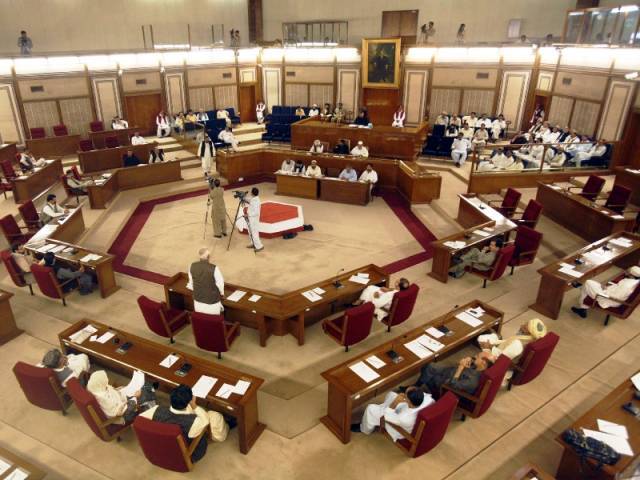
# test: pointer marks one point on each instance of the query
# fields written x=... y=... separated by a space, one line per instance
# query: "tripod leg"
x=233 y=226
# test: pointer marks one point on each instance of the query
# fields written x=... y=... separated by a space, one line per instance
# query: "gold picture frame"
x=381 y=62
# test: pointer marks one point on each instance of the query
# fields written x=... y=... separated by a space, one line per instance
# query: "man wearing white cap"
x=610 y=296
x=360 y=150
x=513 y=346
x=317 y=147
x=314 y=170
x=313 y=111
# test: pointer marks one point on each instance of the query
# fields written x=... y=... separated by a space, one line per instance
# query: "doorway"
x=400 y=23
x=142 y=111
x=248 y=103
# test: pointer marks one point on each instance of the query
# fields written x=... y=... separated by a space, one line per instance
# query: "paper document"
x=621 y=242
x=476 y=312
x=364 y=371
x=636 y=380
x=311 y=296
x=81 y=335
x=358 y=279
x=619 y=444
x=488 y=229
x=203 y=386
x=225 y=390
x=43 y=233
x=418 y=349
x=136 y=383
x=45 y=248
x=570 y=271
x=241 y=387
x=455 y=244
x=481 y=233
x=91 y=257
x=4 y=466
x=434 y=332
x=617 y=217
x=104 y=338
x=254 y=298
x=57 y=248
x=318 y=290
x=169 y=360
x=430 y=343
x=613 y=428
x=17 y=474
x=237 y=295
x=375 y=362
x=469 y=319
x=363 y=275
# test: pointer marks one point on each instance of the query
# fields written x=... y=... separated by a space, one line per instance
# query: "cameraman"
x=252 y=212
x=218 y=208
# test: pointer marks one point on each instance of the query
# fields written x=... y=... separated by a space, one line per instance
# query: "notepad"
x=203 y=386
x=318 y=290
x=418 y=349
x=434 y=332
x=364 y=371
x=169 y=360
x=237 y=295
x=613 y=428
x=254 y=298
x=358 y=279
x=104 y=338
x=135 y=384
x=469 y=319
x=375 y=362
x=430 y=343
x=225 y=390
x=241 y=387
x=311 y=296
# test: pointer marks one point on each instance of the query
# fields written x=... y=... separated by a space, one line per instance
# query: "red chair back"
x=433 y=422
x=532 y=213
x=83 y=399
x=68 y=190
x=496 y=374
x=111 y=142
x=536 y=355
x=85 y=145
x=527 y=240
x=151 y=312
x=37 y=383
x=29 y=213
x=509 y=202
x=37 y=132
x=504 y=257
x=358 y=323
x=12 y=267
x=60 y=130
x=593 y=187
x=76 y=172
x=11 y=230
x=209 y=332
x=618 y=198
x=46 y=280
x=402 y=305
x=160 y=443
x=96 y=126
x=7 y=170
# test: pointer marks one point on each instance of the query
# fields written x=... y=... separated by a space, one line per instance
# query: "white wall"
x=83 y=25
x=486 y=20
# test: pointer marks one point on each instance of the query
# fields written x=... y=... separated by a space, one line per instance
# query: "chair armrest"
x=195 y=441
x=329 y=324
x=528 y=252
x=62 y=284
x=399 y=429
x=622 y=302
x=459 y=393
x=177 y=318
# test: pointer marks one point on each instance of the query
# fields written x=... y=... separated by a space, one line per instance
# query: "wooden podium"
x=8 y=328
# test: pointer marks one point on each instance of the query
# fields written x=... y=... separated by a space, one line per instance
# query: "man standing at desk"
x=252 y=213
x=360 y=150
x=130 y=159
x=52 y=210
x=348 y=174
x=207 y=283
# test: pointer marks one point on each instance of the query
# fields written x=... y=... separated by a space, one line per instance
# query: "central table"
x=296 y=186
x=325 y=188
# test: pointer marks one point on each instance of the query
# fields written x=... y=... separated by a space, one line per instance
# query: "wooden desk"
x=442 y=254
x=110 y=158
x=347 y=390
x=631 y=180
x=529 y=472
x=103 y=268
x=472 y=211
x=417 y=184
x=279 y=314
x=342 y=191
x=381 y=140
x=145 y=355
x=54 y=146
x=609 y=408
x=133 y=177
x=296 y=186
x=71 y=228
x=19 y=463
x=8 y=151
x=8 y=328
x=553 y=284
x=28 y=187
x=123 y=136
x=579 y=215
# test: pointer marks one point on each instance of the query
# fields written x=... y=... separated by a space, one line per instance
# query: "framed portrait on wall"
x=381 y=63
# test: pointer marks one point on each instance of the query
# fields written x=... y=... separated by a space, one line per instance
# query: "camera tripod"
x=241 y=202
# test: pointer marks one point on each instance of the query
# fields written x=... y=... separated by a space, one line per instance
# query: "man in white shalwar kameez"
x=162 y=122
x=381 y=297
x=253 y=214
x=260 y=108
x=609 y=296
x=206 y=152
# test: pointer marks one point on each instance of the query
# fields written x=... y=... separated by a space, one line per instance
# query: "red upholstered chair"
x=8 y=171
x=626 y=307
x=530 y=215
x=105 y=428
x=592 y=188
x=164 y=445
x=72 y=192
x=37 y=132
x=533 y=359
x=111 y=142
x=14 y=272
x=14 y=232
x=30 y=215
x=618 y=198
x=401 y=306
x=162 y=320
x=85 y=145
x=490 y=381
x=352 y=327
x=49 y=285
x=96 y=126
x=212 y=333
x=497 y=269
x=41 y=387
x=60 y=130
x=509 y=203
x=430 y=427
x=6 y=186
x=526 y=246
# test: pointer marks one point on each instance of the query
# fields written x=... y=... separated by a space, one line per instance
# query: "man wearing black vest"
x=191 y=419
x=207 y=283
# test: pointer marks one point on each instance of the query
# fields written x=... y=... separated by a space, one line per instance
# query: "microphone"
x=337 y=283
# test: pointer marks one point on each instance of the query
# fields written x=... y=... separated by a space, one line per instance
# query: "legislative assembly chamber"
x=289 y=239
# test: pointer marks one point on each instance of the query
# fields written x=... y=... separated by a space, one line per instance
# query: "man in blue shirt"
x=348 y=174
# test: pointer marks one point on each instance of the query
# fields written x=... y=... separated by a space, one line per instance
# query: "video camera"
x=240 y=195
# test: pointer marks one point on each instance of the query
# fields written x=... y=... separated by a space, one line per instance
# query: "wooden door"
x=400 y=23
x=629 y=146
x=248 y=103
x=142 y=111
x=381 y=104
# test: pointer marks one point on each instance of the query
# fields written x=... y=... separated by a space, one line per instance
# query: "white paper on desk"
x=358 y=279
x=22 y=177
x=488 y=229
x=570 y=271
x=68 y=250
x=17 y=474
x=455 y=244
x=613 y=428
x=636 y=380
x=225 y=390
x=203 y=386
x=169 y=360
x=556 y=187
x=364 y=371
x=481 y=233
x=568 y=266
x=237 y=295
x=57 y=248
x=135 y=384
x=430 y=343
x=469 y=319
x=363 y=275
x=475 y=312
x=81 y=335
x=621 y=242
x=619 y=444
x=434 y=332
x=105 y=337
x=45 y=248
x=311 y=296
x=418 y=349
x=254 y=298
x=4 y=466
x=241 y=387
x=375 y=362
x=318 y=290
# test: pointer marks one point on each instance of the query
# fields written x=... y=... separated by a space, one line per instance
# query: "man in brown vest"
x=207 y=283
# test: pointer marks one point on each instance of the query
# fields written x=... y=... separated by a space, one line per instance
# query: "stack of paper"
x=4 y=466
x=636 y=381
x=375 y=362
x=480 y=233
x=569 y=270
x=311 y=296
x=488 y=229
x=418 y=349
x=359 y=279
x=476 y=312
x=469 y=319
x=57 y=248
x=430 y=343
x=104 y=338
x=169 y=360
x=455 y=244
x=136 y=384
x=318 y=290
x=434 y=332
x=241 y=387
x=17 y=474
x=225 y=390
x=623 y=242
x=81 y=335
x=45 y=248
x=203 y=386
x=598 y=256
x=364 y=371
x=237 y=295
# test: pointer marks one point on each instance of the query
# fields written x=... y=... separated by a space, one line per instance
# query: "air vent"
x=566 y=81
x=226 y=75
x=291 y=74
x=141 y=81
x=37 y=88
x=482 y=75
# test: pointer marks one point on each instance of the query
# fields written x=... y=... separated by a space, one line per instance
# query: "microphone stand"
x=337 y=284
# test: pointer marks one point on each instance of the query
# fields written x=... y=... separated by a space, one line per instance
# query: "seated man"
x=138 y=139
x=479 y=259
x=228 y=138
x=369 y=175
x=596 y=150
x=400 y=409
x=498 y=126
x=362 y=118
x=465 y=376
x=519 y=138
x=299 y=167
x=348 y=174
x=156 y=155
x=23 y=261
x=313 y=170
x=75 y=184
x=381 y=297
x=471 y=120
x=481 y=137
x=513 y=346
x=178 y=123
x=191 y=418
x=442 y=119
x=300 y=112
x=202 y=116
x=326 y=112
x=558 y=157
x=456 y=121
x=224 y=115
x=609 y=296
x=341 y=147
x=119 y=124
x=338 y=113
x=360 y=150
x=459 y=150
x=28 y=163
x=467 y=131
x=66 y=272
x=551 y=136
x=130 y=159
x=451 y=131
x=191 y=117
x=317 y=147
x=287 y=166
x=67 y=366
x=533 y=154
x=314 y=111
x=498 y=158
x=517 y=165
x=52 y=210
